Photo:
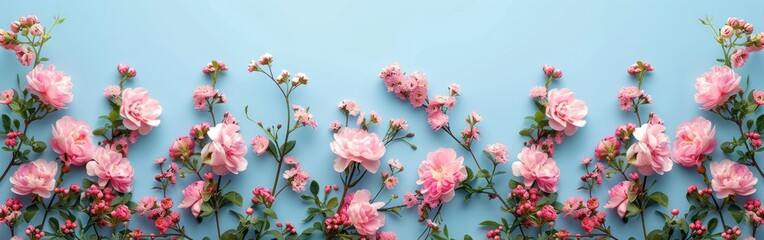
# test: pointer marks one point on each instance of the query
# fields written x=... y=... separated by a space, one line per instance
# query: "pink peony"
x=716 y=86
x=139 y=111
x=651 y=153
x=260 y=144
x=535 y=165
x=440 y=174
x=192 y=197
x=565 y=112
x=364 y=215
x=38 y=177
x=225 y=154
x=53 y=88
x=619 y=197
x=71 y=140
x=731 y=178
x=694 y=141
x=357 y=145
x=110 y=166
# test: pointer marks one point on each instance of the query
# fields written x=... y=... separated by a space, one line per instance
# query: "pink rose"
x=71 y=140
x=758 y=97
x=183 y=147
x=565 y=112
x=694 y=140
x=192 y=197
x=139 y=111
x=260 y=144
x=726 y=31
x=225 y=154
x=651 y=153
x=619 y=197
x=731 y=178
x=387 y=236
x=357 y=145
x=53 y=88
x=38 y=177
x=739 y=57
x=25 y=55
x=6 y=97
x=609 y=147
x=364 y=215
x=716 y=86
x=110 y=166
x=535 y=165
x=440 y=174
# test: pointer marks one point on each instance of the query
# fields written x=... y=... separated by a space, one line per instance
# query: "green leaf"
x=314 y=187
x=270 y=213
x=288 y=146
x=467 y=237
x=53 y=222
x=489 y=223
x=234 y=197
x=6 y=123
x=206 y=210
x=632 y=210
x=333 y=202
x=30 y=212
x=514 y=183
x=712 y=224
x=760 y=123
x=728 y=148
x=526 y=132
x=39 y=146
x=660 y=198
x=483 y=174
x=736 y=212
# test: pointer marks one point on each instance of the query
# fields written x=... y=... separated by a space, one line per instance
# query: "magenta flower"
x=535 y=165
x=364 y=215
x=619 y=197
x=225 y=153
x=440 y=174
x=694 y=140
x=357 y=145
x=109 y=166
x=731 y=178
x=38 y=177
x=716 y=86
x=565 y=112
x=71 y=140
x=192 y=197
x=651 y=153
x=140 y=112
x=52 y=87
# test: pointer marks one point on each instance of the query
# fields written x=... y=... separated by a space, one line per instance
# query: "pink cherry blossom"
x=109 y=166
x=409 y=199
x=498 y=151
x=359 y=146
x=349 y=106
x=260 y=144
x=619 y=197
x=565 y=112
x=52 y=87
x=112 y=91
x=650 y=154
x=694 y=141
x=731 y=178
x=440 y=174
x=38 y=177
x=716 y=86
x=417 y=85
x=387 y=236
x=139 y=111
x=192 y=197
x=71 y=140
x=535 y=165
x=394 y=80
x=225 y=153
x=364 y=215
x=538 y=92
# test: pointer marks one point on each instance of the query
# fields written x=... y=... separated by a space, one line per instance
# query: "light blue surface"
x=494 y=50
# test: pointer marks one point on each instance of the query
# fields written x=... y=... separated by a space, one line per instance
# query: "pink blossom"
x=139 y=111
x=6 y=97
x=694 y=141
x=498 y=151
x=225 y=153
x=651 y=153
x=400 y=123
x=619 y=197
x=758 y=97
x=183 y=147
x=38 y=177
x=390 y=182
x=387 y=236
x=210 y=67
x=394 y=80
x=52 y=87
x=260 y=144
x=726 y=31
x=71 y=140
x=265 y=59
x=440 y=174
x=731 y=178
x=409 y=199
x=565 y=112
x=739 y=57
x=538 y=92
x=350 y=107
x=716 y=86
x=417 y=83
x=454 y=89
x=302 y=116
x=296 y=177
x=609 y=147
x=364 y=215
x=145 y=205
x=548 y=70
x=25 y=55
x=395 y=164
x=192 y=197
x=571 y=205
x=437 y=120
x=291 y=160
x=335 y=126
x=110 y=166
x=357 y=145
x=535 y=165
x=112 y=91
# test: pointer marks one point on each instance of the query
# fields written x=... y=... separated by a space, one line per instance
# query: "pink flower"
x=192 y=197
x=110 y=166
x=498 y=151
x=394 y=80
x=71 y=140
x=437 y=120
x=25 y=55
x=565 y=112
x=350 y=107
x=454 y=89
x=390 y=182
x=260 y=144
x=739 y=57
x=538 y=92
x=572 y=205
x=335 y=126
x=731 y=178
x=139 y=111
x=651 y=153
x=758 y=97
x=619 y=197
x=38 y=177
x=387 y=236
x=302 y=116
x=608 y=147
x=112 y=91
x=265 y=59
x=716 y=86
x=535 y=165
x=183 y=147
x=6 y=97
x=726 y=31
x=548 y=70
x=364 y=215
x=225 y=154
x=357 y=145
x=400 y=123
x=440 y=174
x=417 y=84
x=409 y=199
x=694 y=140
x=296 y=177
x=53 y=88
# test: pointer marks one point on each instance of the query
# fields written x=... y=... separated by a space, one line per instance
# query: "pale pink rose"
x=731 y=178
x=139 y=111
x=192 y=197
x=726 y=31
x=619 y=197
x=110 y=167
x=535 y=165
x=739 y=57
x=38 y=177
x=357 y=145
x=225 y=154
x=694 y=141
x=440 y=174
x=565 y=112
x=716 y=86
x=71 y=140
x=24 y=54
x=364 y=215
x=52 y=87
x=36 y=30
x=650 y=154
x=260 y=144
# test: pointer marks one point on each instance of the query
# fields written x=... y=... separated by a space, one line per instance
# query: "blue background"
x=494 y=50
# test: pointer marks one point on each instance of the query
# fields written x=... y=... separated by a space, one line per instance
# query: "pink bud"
x=122 y=69
x=557 y=73
x=674 y=211
x=250 y=211
x=548 y=70
x=733 y=21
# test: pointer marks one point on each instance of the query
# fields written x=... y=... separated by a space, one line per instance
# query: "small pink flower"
x=335 y=126
x=6 y=97
x=225 y=153
x=538 y=92
x=387 y=236
x=357 y=145
x=739 y=57
x=619 y=197
x=731 y=178
x=390 y=182
x=265 y=59
x=437 y=120
x=183 y=147
x=71 y=140
x=694 y=141
x=716 y=86
x=758 y=97
x=571 y=205
x=112 y=91
x=192 y=197
x=565 y=112
x=417 y=83
x=651 y=153
x=608 y=147
x=535 y=165
x=410 y=200
x=364 y=215
x=440 y=174
x=726 y=31
x=350 y=107
x=53 y=88
x=296 y=176
x=548 y=70
x=498 y=151
x=38 y=177
x=454 y=89
x=400 y=123
x=139 y=111
x=302 y=116
x=145 y=205
x=110 y=166
x=260 y=144
x=25 y=55
x=394 y=80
